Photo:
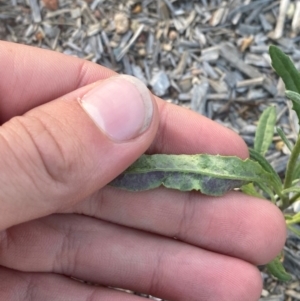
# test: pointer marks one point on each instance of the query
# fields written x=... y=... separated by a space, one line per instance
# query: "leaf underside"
x=212 y=175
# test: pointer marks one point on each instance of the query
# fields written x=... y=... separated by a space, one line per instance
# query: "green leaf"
x=250 y=189
x=277 y=269
x=265 y=130
x=294 y=220
x=295 y=189
x=288 y=217
x=285 y=68
x=256 y=156
x=267 y=190
x=296 y=174
x=212 y=175
x=294 y=230
x=295 y=98
x=284 y=138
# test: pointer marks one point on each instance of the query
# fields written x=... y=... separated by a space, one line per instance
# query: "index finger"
x=31 y=77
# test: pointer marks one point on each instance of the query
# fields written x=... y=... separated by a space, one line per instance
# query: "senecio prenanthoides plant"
x=215 y=175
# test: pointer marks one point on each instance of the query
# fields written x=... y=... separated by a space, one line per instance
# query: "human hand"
x=59 y=219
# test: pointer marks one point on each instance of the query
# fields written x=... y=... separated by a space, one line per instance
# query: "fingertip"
x=276 y=233
x=121 y=107
x=182 y=131
x=264 y=229
x=249 y=283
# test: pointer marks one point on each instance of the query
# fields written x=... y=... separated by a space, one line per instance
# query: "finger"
x=48 y=287
x=60 y=152
x=111 y=255
x=182 y=131
x=32 y=76
x=48 y=75
x=235 y=224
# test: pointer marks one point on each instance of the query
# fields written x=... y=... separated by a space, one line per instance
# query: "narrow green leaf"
x=250 y=189
x=294 y=230
x=284 y=138
x=256 y=156
x=285 y=68
x=277 y=269
x=295 y=98
x=212 y=175
x=296 y=174
x=295 y=189
x=288 y=217
x=267 y=190
x=295 y=182
x=294 y=220
x=265 y=130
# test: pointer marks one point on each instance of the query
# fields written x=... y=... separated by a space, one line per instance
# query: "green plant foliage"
x=292 y=189
x=296 y=174
x=268 y=191
x=284 y=138
x=212 y=175
x=265 y=130
x=285 y=68
x=215 y=175
x=276 y=268
x=294 y=219
x=295 y=98
x=250 y=189
x=294 y=230
x=256 y=156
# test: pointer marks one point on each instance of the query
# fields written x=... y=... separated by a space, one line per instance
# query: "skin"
x=59 y=219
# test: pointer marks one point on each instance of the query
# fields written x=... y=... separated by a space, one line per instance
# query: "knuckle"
x=94 y=295
x=31 y=291
x=44 y=146
x=71 y=246
x=5 y=241
x=161 y=142
x=156 y=283
x=187 y=216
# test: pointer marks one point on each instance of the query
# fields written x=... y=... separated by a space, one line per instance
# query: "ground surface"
x=210 y=56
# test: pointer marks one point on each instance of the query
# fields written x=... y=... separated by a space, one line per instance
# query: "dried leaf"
x=212 y=175
x=265 y=130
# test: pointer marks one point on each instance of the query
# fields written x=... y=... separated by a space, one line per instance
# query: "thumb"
x=57 y=154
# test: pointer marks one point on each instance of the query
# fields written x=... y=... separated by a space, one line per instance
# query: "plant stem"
x=290 y=168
